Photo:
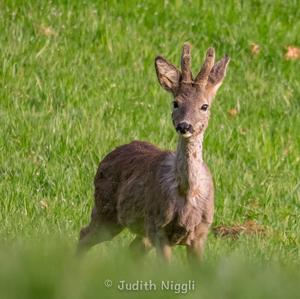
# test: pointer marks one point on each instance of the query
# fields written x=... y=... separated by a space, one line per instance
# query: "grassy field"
x=78 y=79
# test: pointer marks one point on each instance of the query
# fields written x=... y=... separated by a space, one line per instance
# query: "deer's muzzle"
x=185 y=129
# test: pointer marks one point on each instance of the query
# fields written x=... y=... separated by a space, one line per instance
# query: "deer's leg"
x=163 y=247
x=96 y=232
x=140 y=246
x=196 y=249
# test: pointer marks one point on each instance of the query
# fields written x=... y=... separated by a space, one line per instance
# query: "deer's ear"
x=168 y=75
x=216 y=76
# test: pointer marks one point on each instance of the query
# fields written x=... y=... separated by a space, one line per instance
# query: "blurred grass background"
x=78 y=79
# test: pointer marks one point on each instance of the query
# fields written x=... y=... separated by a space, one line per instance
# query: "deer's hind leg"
x=99 y=230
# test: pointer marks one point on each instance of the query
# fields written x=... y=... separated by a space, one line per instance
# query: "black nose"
x=184 y=128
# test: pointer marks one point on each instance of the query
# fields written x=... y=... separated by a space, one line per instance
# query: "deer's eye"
x=204 y=107
x=175 y=105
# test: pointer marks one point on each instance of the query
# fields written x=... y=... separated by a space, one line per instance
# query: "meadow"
x=77 y=79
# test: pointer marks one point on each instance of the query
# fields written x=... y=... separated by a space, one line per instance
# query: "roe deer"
x=166 y=198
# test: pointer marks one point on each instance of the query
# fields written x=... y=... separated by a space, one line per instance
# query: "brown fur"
x=165 y=198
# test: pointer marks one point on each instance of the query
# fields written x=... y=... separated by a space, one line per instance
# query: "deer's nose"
x=184 y=128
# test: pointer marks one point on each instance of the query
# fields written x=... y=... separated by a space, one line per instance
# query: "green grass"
x=69 y=95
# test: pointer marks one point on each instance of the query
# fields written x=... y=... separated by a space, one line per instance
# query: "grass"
x=78 y=79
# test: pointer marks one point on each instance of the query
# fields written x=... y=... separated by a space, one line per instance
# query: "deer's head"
x=192 y=96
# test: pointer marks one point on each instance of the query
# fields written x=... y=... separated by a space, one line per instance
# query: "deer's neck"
x=188 y=163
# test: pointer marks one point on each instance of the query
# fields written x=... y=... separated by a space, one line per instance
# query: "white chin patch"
x=186 y=135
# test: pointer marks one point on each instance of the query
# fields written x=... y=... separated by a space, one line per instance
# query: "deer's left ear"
x=168 y=75
x=216 y=76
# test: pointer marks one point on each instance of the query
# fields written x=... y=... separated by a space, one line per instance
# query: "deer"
x=165 y=198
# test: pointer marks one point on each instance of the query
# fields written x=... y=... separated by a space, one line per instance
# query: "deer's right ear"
x=217 y=76
x=168 y=75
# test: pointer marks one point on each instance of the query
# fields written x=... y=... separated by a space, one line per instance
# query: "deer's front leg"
x=163 y=247
x=195 y=250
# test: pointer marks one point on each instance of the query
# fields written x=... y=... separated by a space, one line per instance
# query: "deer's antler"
x=206 y=68
x=186 y=72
